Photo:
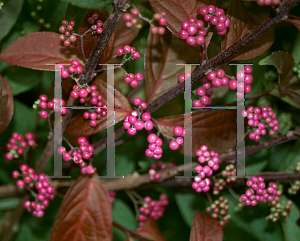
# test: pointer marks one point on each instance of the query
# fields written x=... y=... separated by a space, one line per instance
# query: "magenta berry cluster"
x=96 y=24
x=155 y=167
x=133 y=79
x=242 y=82
x=43 y=104
x=267 y=2
x=67 y=30
x=153 y=209
x=201 y=183
x=280 y=209
x=258 y=192
x=137 y=120
x=161 y=21
x=154 y=148
x=259 y=119
x=17 y=144
x=131 y=19
x=95 y=99
x=193 y=32
x=216 y=17
x=72 y=70
x=204 y=93
x=79 y=155
x=39 y=186
x=128 y=50
x=218 y=210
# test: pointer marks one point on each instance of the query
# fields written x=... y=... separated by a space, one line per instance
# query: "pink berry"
x=137 y=100
x=161 y=30
x=139 y=76
x=183 y=34
x=146 y=116
x=64 y=74
x=162 y=21
x=191 y=41
x=173 y=145
x=44 y=114
x=83 y=93
x=178 y=130
x=131 y=131
x=152 y=138
x=136 y=55
x=135 y=12
x=127 y=49
x=232 y=84
x=202 y=11
x=149 y=125
x=154 y=30
x=127 y=17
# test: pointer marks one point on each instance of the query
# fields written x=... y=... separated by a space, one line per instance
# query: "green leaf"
x=292 y=156
x=22 y=79
x=9 y=15
x=92 y=4
x=288 y=88
x=74 y=13
x=284 y=63
x=188 y=203
x=8 y=203
x=256 y=166
x=290 y=228
x=296 y=49
x=123 y=215
x=23 y=120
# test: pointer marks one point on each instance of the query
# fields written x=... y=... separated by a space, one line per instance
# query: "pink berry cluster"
x=218 y=209
x=96 y=24
x=79 y=155
x=259 y=119
x=133 y=79
x=193 y=32
x=204 y=93
x=242 y=82
x=131 y=19
x=153 y=174
x=137 y=120
x=268 y=2
x=96 y=100
x=17 y=144
x=66 y=31
x=218 y=186
x=216 y=17
x=72 y=70
x=229 y=173
x=128 y=50
x=153 y=209
x=42 y=103
x=154 y=148
x=111 y=195
x=39 y=185
x=259 y=193
x=282 y=209
x=161 y=21
x=201 y=183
